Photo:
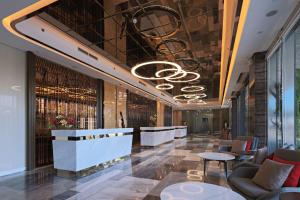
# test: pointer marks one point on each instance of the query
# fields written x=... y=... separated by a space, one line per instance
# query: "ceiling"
x=256 y=32
x=132 y=34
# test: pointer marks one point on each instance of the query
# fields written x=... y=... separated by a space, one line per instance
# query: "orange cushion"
x=293 y=178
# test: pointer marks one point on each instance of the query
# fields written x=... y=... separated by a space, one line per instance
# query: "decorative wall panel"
x=114 y=106
x=168 y=116
x=64 y=99
x=141 y=112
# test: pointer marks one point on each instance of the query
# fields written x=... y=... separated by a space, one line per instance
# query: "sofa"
x=240 y=179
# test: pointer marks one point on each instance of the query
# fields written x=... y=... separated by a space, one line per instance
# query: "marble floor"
x=142 y=176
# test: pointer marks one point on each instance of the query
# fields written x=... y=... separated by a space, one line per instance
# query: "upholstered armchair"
x=240 y=180
x=241 y=153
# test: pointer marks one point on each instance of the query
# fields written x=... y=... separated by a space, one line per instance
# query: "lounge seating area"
x=267 y=180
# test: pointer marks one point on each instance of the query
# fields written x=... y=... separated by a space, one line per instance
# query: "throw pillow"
x=293 y=178
x=271 y=175
x=248 y=145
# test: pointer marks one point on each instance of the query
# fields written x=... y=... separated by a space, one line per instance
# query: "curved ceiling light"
x=166 y=51
x=185 y=97
x=195 y=96
x=178 y=69
x=193 y=88
x=173 y=80
x=202 y=95
x=189 y=63
x=164 y=86
x=182 y=72
x=196 y=101
x=150 y=10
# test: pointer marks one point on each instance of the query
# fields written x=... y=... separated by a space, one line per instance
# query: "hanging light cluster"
x=175 y=77
x=174 y=73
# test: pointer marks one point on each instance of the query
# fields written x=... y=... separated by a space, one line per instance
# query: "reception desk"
x=153 y=136
x=76 y=150
x=180 y=131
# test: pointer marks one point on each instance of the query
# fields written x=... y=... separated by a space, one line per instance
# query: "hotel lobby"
x=150 y=100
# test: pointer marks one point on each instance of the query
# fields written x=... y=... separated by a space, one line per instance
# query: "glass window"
x=275 y=138
x=297 y=85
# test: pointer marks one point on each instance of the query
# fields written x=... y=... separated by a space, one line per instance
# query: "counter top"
x=161 y=128
x=77 y=133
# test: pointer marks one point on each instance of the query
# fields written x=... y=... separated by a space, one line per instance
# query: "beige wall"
x=114 y=102
x=160 y=114
x=177 y=118
x=110 y=106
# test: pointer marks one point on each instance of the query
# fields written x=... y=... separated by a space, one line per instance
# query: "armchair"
x=240 y=179
x=242 y=154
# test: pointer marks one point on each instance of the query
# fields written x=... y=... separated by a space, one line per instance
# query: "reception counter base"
x=77 y=150
x=90 y=170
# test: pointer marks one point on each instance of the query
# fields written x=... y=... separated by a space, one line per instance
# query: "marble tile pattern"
x=148 y=171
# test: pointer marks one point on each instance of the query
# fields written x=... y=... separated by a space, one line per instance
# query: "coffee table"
x=198 y=191
x=215 y=156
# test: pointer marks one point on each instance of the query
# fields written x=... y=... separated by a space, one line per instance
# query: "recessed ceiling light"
x=271 y=13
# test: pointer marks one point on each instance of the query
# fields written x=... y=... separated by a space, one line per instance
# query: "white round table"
x=215 y=156
x=198 y=191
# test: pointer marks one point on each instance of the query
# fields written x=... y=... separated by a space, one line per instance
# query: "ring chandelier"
x=174 y=77
x=196 y=101
x=177 y=69
x=193 y=96
x=164 y=86
x=174 y=80
x=166 y=51
x=193 y=88
x=182 y=72
x=189 y=97
x=183 y=97
x=149 y=10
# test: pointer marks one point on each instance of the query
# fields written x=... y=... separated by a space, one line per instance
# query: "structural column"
x=234 y=118
x=260 y=93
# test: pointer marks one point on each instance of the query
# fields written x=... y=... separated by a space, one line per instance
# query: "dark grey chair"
x=225 y=147
x=259 y=156
x=240 y=179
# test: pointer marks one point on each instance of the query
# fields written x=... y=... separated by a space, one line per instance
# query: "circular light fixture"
x=193 y=88
x=200 y=96
x=182 y=47
x=184 y=73
x=173 y=80
x=196 y=101
x=178 y=69
x=164 y=86
x=189 y=63
x=185 y=97
x=150 y=10
x=195 y=96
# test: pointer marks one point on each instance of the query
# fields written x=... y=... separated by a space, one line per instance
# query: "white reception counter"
x=153 y=136
x=75 y=150
x=180 y=131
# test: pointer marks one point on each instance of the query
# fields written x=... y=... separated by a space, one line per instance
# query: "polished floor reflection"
x=143 y=176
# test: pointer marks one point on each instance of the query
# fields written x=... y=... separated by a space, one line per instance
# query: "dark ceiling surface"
x=134 y=31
